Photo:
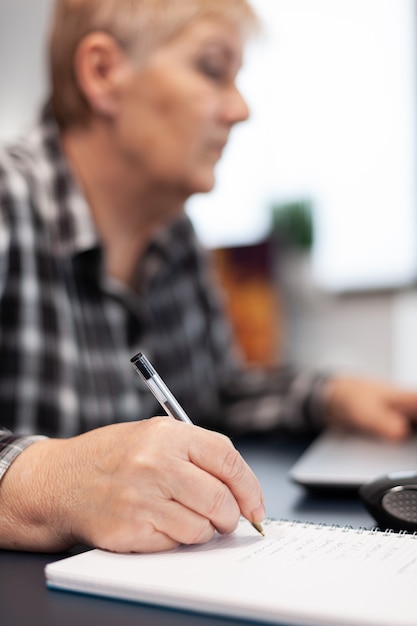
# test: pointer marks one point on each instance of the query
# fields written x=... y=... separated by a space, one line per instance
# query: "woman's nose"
x=236 y=109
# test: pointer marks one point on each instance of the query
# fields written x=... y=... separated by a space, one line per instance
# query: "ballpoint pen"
x=165 y=397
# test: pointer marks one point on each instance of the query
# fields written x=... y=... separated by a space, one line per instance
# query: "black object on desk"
x=392 y=500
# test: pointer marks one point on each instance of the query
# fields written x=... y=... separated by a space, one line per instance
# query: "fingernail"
x=258 y=514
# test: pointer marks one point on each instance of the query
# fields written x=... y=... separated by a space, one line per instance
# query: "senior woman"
x=98 y=261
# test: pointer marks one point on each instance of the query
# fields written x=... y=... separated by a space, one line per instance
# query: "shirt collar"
x=61 y=204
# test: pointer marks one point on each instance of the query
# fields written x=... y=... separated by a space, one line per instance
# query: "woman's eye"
x=212 y=69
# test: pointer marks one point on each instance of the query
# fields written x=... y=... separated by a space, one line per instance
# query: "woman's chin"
x=193 y=186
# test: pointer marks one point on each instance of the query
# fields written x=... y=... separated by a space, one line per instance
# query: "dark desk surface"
x=25 y=600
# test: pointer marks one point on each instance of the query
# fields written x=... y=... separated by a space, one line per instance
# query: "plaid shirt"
x=68 y=331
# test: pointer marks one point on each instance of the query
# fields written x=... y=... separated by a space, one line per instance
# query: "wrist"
x=32 y=511
x=337 y=398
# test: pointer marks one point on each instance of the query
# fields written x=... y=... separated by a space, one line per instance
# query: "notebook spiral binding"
x=346 y=528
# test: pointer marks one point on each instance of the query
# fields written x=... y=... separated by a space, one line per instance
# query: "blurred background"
x=313 y=222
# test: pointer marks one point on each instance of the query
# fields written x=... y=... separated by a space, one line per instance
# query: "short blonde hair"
x=137 y=25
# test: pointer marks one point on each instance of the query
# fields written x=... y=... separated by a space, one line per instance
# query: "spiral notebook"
x=300 y=574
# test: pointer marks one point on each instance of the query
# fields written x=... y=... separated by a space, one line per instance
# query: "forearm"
x=30 y=516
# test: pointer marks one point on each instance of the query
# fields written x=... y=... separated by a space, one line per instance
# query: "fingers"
x=386 y=411
x=399 y=413
x=184 y=525
x=372 y=407
x=165 y=483
x=203 y=470
x=206 y=475
x=387 y=424
x=204 y=494
x=162 y=526
x=217 y=456
x=404 y=402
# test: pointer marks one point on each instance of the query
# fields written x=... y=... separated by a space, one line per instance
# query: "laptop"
x=339 y=459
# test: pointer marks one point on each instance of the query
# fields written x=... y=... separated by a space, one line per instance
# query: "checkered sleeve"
x=11 y=446
x=254 y=399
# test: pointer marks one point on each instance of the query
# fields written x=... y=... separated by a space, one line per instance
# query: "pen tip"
x=259 y=528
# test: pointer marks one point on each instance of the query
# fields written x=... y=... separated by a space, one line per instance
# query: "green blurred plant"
x=292 y=224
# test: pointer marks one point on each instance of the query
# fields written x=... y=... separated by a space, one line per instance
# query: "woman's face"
x=176 y=110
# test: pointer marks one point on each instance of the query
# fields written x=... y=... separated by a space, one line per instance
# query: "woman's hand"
x=136 y=487
x=371 y=406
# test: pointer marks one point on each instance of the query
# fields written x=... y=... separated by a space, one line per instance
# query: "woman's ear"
x=98 y=64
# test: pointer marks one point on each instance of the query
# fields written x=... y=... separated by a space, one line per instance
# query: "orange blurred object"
x=247 y=277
